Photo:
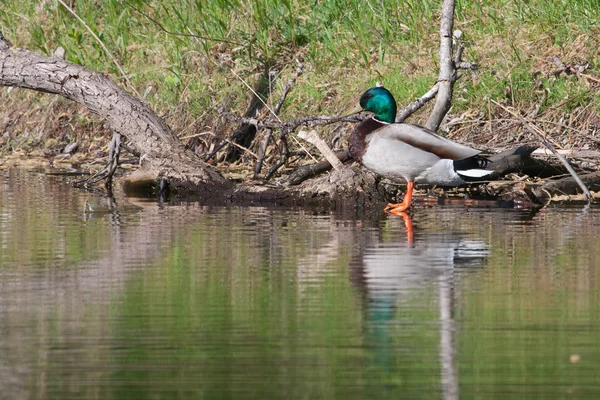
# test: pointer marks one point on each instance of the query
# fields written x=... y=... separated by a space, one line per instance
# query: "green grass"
x=510 y=40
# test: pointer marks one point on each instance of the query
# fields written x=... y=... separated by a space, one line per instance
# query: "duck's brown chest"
x=358 y=140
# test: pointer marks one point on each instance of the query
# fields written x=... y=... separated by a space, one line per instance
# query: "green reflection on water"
x=185 y=301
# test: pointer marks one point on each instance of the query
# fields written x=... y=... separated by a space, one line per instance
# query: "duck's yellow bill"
x=356 y=109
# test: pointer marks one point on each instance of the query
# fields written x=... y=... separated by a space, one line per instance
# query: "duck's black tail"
x=492 y=167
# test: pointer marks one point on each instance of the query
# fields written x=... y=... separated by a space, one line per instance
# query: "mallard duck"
x=409 y=153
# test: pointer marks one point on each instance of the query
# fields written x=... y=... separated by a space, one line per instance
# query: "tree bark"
x=123 y=113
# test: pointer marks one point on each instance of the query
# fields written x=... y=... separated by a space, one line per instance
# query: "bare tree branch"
x=447 y=74
x=291 y=125
x=417 y=104
x=288 y=86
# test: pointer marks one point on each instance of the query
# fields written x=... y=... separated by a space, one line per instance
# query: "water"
x=182 y=301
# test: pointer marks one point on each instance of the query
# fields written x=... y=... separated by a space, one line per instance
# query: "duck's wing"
x=426 y=140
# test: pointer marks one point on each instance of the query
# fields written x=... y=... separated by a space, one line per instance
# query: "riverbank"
x=539 y=60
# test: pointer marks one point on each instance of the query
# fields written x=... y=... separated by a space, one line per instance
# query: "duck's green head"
x=380 y=101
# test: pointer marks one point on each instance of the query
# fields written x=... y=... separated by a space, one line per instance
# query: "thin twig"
x=275 y=167
x=239 y=146
x=109 y=169
x=291 y=124
x=591 y=78
x=288 y=86
x=308 y=171
x=113 y=156
x=569 y=100
x=197 y=134
x=102 y=45
x=534 y=129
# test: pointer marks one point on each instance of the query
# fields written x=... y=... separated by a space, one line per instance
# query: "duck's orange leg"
x=410 y=236
x=397 y=208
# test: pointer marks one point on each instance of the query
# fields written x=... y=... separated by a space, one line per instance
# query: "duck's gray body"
x=405 y=152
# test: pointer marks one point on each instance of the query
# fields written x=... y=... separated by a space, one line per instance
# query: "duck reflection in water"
x=393 y=274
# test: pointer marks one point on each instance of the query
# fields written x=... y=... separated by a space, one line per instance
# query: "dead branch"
x=285 y=154
x=447 y=74
x=109 y=170
x=417 y=104
x=288 y=86
x=538 y=132
x=262 y=151
x=313 y=137
x=291 y=125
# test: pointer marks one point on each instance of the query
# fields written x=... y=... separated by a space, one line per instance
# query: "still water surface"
x=184 y=301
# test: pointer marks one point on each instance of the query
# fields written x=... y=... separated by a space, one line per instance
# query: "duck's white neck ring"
x=381 y=122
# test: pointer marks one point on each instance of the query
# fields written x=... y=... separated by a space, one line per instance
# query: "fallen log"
x=125 y=114
x=566 y=186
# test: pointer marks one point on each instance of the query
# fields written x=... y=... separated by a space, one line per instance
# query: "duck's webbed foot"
x=397 y=208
